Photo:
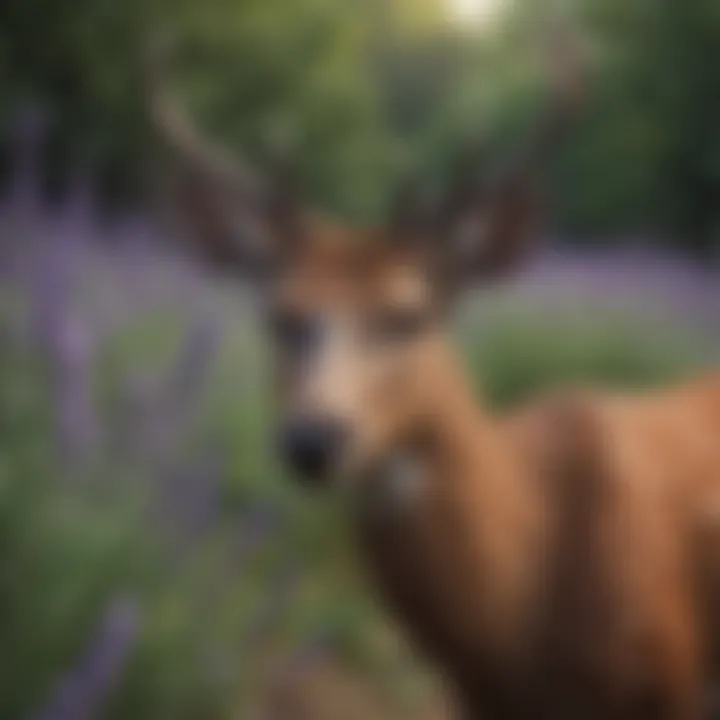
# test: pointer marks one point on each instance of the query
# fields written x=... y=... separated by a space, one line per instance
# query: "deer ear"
x=233 y=220
x=227 y=223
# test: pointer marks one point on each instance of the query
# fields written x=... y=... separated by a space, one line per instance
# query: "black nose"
x=311 y=447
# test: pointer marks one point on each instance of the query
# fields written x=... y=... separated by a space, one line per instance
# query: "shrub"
x=514 y=355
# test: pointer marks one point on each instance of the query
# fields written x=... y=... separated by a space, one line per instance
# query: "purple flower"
x=78 y=221
x=82 y=693
x=66 y=343
x=162 y=416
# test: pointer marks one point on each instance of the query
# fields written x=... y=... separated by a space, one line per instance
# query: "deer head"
x=352 y=314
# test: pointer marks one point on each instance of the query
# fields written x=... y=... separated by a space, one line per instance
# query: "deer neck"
x=455 y=560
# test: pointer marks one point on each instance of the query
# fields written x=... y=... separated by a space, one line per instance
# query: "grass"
x=513 y=355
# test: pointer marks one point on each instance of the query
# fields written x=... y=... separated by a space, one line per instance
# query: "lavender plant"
x=84 y=691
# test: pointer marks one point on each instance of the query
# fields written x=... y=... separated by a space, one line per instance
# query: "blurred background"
x=153 y=563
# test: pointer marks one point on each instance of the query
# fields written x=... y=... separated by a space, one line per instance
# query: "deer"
x=560 y=559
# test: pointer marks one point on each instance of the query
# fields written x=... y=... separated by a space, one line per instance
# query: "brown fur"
x=553 y=567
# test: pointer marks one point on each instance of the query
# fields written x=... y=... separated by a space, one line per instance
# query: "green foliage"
x=515 y=357
x=62 y=558
x=365 y=91
x=654 y=120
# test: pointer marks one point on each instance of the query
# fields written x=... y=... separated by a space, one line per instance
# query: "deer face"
x=349 y=317
x=352 y=315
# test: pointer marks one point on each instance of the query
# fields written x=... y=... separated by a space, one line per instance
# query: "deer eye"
x=294 y=331
x=397 y=325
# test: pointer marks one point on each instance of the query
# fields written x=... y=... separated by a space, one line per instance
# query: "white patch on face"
x=327 y=386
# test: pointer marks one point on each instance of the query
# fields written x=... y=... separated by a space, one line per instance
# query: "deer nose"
x=311 y=447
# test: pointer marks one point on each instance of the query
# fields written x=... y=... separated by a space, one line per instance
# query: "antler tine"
x=176 y=129
x=567 y=80
x=568 y=69
x=227 y=211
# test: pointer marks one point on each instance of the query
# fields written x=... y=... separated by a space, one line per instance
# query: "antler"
x=484 y=224
x=176 y=129
x=230 y=210
x=567 y=74
x=567 y=77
